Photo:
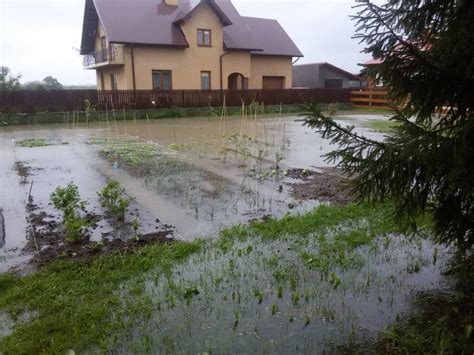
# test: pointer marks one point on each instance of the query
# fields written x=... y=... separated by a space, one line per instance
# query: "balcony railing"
x=112 y=55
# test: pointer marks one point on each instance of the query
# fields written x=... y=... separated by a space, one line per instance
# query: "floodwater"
x=262 y=297
x=201 y=175
x=211 y=172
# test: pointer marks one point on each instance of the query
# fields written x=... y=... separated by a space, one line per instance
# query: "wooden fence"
x=76 y=100
x=370 y=98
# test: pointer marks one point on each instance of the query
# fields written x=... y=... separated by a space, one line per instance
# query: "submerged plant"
x=111 y=197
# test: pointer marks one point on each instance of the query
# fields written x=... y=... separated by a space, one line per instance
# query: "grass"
x=87 y=306
x=380 y=125
x=174 y=112
x=10 y=119
x=443 y=324
x=377 y=125
x=374 y=110
x=74 y=300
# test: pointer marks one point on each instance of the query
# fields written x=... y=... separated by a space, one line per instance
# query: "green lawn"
x=218 y=295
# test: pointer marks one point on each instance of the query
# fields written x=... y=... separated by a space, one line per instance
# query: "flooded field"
x=199 y=175
x=286 y=290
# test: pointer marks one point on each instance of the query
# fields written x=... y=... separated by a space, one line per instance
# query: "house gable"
x=152 y=22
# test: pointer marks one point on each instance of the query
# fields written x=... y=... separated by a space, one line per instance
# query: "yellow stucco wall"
x=263 y=65
x=186 y=64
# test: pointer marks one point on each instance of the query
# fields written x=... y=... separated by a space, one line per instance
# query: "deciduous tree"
x=8 y=81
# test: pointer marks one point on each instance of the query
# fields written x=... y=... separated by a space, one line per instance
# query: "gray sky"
x=38 y=37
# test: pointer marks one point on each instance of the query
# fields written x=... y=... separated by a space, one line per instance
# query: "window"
x=161 y=79
x=204 y=38
x=205 y=80
x=113 y=81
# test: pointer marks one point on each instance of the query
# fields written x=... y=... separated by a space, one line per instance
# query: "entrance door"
x=236 y=81
x=273 y=82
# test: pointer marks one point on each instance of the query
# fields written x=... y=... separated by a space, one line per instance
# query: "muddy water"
x=222 y=172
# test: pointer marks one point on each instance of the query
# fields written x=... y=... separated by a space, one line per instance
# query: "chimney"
x=171 y=2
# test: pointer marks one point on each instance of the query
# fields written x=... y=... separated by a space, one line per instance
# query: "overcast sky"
x=39 y=38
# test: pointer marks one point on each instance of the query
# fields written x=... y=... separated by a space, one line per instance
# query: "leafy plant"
x=30 y=143
x=111 y=197
x=135 y=227
x=68 y=201
x=76 y=227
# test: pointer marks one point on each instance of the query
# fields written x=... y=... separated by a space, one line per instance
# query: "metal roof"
x=272 y=37
x=308 y=66
x=152 y=22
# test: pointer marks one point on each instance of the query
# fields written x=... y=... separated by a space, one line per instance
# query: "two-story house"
x=184 y=44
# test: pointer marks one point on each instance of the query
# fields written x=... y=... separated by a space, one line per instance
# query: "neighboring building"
x=372 y=81
x=183 y=44
x=323 y=76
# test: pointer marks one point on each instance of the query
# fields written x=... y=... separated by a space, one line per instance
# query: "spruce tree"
x=426 y=166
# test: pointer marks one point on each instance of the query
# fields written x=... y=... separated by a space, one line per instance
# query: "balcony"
x=113 y=55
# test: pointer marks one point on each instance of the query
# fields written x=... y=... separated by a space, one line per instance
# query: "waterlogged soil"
x=324 y=185
x=33 y=228
x=288 y=293
x=47 y=238
x=199 y=175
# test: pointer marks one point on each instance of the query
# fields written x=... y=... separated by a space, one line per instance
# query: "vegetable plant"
x=68 y=201
x=111 y=197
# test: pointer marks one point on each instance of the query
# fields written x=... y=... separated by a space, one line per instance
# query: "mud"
x=47 y=239
x=87 y=250
x=328 y=185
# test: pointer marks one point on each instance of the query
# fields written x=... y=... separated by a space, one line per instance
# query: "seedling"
x=274 y=309
x=135 y=227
